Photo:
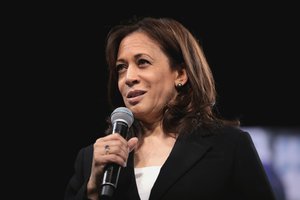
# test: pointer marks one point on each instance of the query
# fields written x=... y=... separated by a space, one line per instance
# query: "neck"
x=154 y=147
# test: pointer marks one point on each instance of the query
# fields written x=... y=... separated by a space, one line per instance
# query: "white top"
x=145 y=178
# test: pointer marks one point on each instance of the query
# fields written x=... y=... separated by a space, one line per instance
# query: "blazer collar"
x=188 y=150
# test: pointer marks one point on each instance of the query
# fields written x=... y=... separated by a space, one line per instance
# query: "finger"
x=107 y=154
x=112 y=140
x=112 y=147
x=114 y=136
x=132 y=143
x=117 y=147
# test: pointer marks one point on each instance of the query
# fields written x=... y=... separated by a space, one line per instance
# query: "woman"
x=178 y=148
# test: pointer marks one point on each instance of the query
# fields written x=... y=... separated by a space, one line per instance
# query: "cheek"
x=171 y=93
x=121 y=87
x=166 y=90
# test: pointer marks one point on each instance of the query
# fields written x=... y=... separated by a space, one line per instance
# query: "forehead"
x=138 y=40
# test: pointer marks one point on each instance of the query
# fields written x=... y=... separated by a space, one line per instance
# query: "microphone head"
x=122 y=114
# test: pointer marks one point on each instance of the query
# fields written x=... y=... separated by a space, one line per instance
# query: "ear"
x=181 y=77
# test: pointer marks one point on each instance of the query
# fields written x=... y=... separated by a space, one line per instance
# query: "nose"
x=132 y=75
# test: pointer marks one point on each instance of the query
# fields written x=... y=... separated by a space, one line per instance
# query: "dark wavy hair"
x=194 y=105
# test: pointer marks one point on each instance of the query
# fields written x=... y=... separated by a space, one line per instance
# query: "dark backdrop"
x=253 y=51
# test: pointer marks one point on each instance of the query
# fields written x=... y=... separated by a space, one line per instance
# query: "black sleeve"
x=250 y=177
x=76 y=187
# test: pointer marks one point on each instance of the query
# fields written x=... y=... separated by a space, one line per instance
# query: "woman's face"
x=146 y=81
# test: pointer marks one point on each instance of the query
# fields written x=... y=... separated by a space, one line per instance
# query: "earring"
x=179 y=85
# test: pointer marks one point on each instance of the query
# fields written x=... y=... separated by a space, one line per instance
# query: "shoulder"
x=85 y=153
x=231 y=132
x=222 y=135
x=235 y=134
x=222 y=132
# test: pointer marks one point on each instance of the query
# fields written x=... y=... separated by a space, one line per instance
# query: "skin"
x=144 y=68
x=146 y=84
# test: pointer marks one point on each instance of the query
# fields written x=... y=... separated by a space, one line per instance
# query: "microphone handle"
x=121 y=128
x=110 y=180
x=112 y=171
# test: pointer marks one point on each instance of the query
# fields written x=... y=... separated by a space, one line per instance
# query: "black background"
x=253 y=50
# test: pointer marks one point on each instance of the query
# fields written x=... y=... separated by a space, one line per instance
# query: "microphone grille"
x=122 y=114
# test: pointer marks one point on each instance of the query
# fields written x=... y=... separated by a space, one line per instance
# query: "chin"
x=135 y=109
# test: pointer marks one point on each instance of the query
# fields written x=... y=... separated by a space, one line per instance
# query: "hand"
x=109 y=149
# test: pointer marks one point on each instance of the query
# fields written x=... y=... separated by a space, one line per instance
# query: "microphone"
x=121 y=119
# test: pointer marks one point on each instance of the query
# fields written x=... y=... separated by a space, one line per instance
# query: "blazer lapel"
x=185 y=153
x=133 y=194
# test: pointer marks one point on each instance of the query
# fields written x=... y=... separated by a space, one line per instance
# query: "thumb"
x=132 y=143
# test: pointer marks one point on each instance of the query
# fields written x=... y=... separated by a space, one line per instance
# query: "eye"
x=121 y=67
x=143 y=62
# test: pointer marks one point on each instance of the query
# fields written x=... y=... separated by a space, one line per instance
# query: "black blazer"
x=219 y=164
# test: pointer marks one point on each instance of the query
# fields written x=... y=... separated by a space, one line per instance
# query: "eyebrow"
x=135 y=57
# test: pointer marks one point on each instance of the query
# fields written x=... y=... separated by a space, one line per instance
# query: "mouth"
x=135 y=93
x=134 y=97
